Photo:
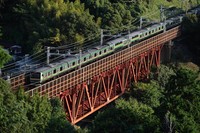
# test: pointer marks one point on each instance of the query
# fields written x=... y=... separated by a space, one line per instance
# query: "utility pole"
x=162 y=17
x=80 y=55
x=161 y=13
x=164 y=25
x=48 y=55
x=141 y=21
x=129 y=37
x=25 y=61
x=102 y=37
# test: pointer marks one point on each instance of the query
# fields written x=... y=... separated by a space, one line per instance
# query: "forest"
x=168 y=102
x=34 y=24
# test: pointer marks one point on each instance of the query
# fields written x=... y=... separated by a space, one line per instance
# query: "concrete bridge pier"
x=166 y=52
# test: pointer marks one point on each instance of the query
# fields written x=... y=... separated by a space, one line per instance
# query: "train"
x=73 y=61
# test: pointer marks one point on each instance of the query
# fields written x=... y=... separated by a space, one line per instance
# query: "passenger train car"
x=72 y=61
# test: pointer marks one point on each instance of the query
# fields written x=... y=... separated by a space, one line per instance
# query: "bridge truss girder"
x=86 y=98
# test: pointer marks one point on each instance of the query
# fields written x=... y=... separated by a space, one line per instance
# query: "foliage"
x=171 y=106
x=182 y=100
x=50 y=22
x=148 y=93
x=38 y=23
x=4 y=57
x=172 y=100
x=58 y=123
x=20 y=113
x=164 y=74
x=12 y=113
x=191 y=26
x=127 y=116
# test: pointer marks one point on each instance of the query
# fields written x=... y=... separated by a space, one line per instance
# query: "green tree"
x=148 y=93
x=40 y=113
x=164 y=74
x=50 y=22
x=182 y=100
x=58 y=122
x=191 y=26
x=12 y=112
x=4 y=57
x=44 y=115
x=127 y=116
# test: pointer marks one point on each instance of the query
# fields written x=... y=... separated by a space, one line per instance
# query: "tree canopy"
x=24 y=114
x=38 y=23
x=4 y=57
x=154 y=107
x=169 y=103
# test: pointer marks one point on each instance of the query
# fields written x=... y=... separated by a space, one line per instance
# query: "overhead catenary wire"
x=23 y=60
x=81 y=41
x=95 y=36
x=72 y=45
x=43 y=63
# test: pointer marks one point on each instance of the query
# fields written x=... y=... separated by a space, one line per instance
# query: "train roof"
x=134 y=33
x=168 y=21
x=116 y=40
x=100 y=47
x=154 y=26
x=85 y=53
x=55 y=64
x=142 y=31
x=96 y=48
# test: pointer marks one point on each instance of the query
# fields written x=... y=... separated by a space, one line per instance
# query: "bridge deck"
x=85 y=74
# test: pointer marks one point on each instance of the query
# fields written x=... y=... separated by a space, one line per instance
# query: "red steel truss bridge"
x=91 y=87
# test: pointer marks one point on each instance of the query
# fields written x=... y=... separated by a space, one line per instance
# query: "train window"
x=73 y=63
x=118 y=43
x=61 y=68
x=136 y=36
x=42 y=75
x=84 y=59
x=146 y=34
x=95 y=54
x=54 y=71
x=35 y=75
x=104 y=50
x=159 y=28
x=99 y=52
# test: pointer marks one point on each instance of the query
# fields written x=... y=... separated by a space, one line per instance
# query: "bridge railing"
x=84 y=74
